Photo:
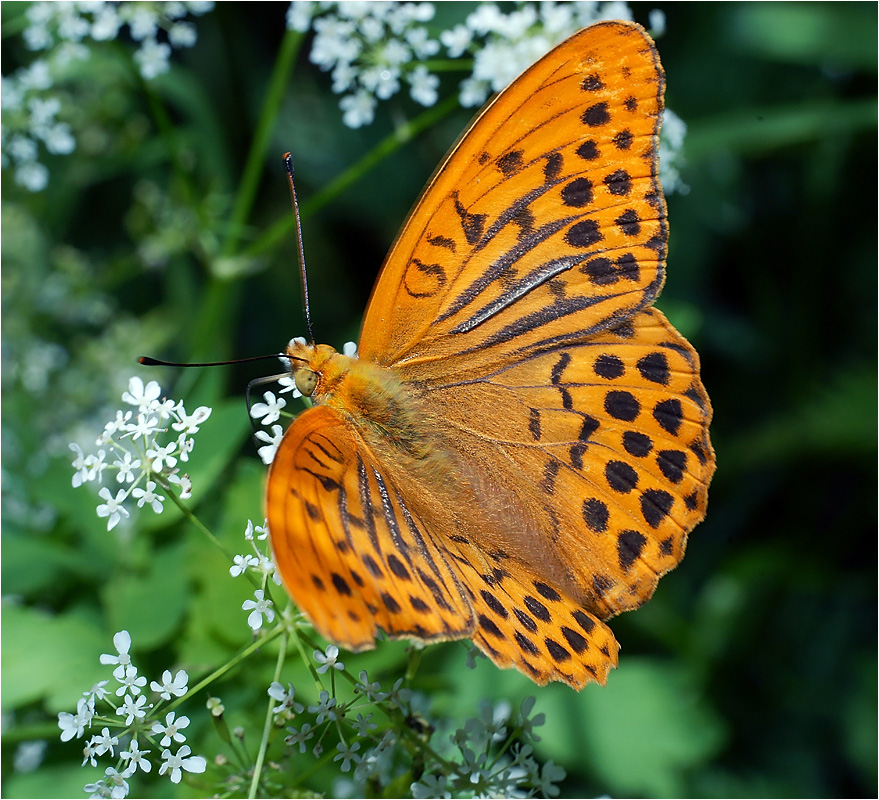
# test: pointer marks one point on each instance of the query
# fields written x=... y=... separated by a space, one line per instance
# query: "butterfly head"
x=311 y=366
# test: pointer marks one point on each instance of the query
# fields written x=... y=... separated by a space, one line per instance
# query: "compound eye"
x=306 y=381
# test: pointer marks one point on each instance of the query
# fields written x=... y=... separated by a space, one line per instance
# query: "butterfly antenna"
x=288 y=164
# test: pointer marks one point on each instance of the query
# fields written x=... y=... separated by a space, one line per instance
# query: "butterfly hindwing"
x=548 y=207
x=605 y=442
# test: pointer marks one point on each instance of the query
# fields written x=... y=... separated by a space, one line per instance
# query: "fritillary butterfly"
x=521 y=448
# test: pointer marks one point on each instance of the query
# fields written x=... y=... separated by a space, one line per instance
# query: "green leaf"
x=150 y=606
x=51 y=780
x=640 y=733
x=50 y=658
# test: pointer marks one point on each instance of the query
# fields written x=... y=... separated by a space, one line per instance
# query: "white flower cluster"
x=372 y=48
x=479 y=769
x=141 y=724
x=503 y=44
x=142 y=462
x=63 y=33
x=260 y=562
x=370 y=755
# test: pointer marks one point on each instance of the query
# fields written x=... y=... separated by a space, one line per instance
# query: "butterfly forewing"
x=350 y=550
x=547 y=209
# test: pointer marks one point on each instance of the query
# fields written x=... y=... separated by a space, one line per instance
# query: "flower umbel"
x=144 y=463
x=141 y=724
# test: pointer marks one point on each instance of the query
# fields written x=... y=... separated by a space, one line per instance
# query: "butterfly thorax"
x=385 y=409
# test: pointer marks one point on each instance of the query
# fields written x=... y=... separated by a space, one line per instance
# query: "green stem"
x=207 y=532
x=385 y=148
x=220 y=671
x=253 y=167
x=267 y=727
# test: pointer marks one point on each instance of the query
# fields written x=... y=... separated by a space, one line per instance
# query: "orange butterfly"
x=521 y=448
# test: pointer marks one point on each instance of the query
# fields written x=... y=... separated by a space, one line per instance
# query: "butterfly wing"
x=350 y=551
x=550 y=197
x=358 y=544
x=606 y=442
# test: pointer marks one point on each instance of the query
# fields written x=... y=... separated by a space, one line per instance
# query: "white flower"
x=130 y=680
x=43 y=111
x=363 y=725
x=328 y=661
x=22 y=149
x=347 y=754
x=185 y=484
x=36 y=76
x=300 y=736
x=171 y=729
x=358 y=108
x=285 y=697
x=161 y=456
x=241 y=565
x=136 y=758
x=82 y=470
x=74 y=724
x=104 y=743
x=473 y=92
x=146 y=426
x=288 y=383
x=34 y=176
x=116 y=783
x=176 y=686
x=267 y=453
x=423 y=47
x=113 y=507
x=334 y=41
x=126 y=468
x=37 y=37
x=122 y=643
x=182 y=34
x=120 y=423
x=144 y=397
x=149 y=496
x=557 y=17
x=424 y=86
x=656 y=20
x=185 y=446
x=142 y=21
x=153 y=57
x=90 y=753
x=457 y=40
x=486 y=19
x=29 y=755
x=259 y=607
x=174 y=763
x=132 y=708
x=299 y=15
x=97 y=790
x=190 y=423
x=324 y=709
x=262 y=531
x=106 y=23
x=96 y=465
x=270 y=411
x=382 y=81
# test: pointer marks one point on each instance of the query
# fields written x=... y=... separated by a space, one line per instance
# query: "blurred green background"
x=753 y=670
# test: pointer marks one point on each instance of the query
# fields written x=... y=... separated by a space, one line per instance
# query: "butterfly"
x=520 y=449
